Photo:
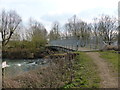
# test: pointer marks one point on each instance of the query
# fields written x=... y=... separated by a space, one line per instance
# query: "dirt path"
x=107 y=79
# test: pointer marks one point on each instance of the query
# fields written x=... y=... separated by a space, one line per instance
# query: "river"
x=17 y=67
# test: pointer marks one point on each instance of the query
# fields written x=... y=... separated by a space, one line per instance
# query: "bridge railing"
x=75 y=43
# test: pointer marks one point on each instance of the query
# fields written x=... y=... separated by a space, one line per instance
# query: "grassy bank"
x=86 y=75
x=112 y=58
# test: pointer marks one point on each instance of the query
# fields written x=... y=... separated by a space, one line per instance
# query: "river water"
x=17 y=67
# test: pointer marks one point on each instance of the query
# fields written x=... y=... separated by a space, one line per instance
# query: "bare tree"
x=16 y=36
x=9 y=22
x=95 y=32
x=95 y=27
x=71 y=27
x=78 y=28
x=107 y=28
x=38 y=29
x=55 y=31
x=36 y=33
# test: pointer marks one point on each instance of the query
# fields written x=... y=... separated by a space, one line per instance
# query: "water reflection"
x=17 y=67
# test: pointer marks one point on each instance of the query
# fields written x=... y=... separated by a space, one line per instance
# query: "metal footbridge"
x=75 y=44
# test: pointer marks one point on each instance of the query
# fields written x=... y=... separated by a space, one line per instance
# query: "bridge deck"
x=87 y=49
x=82 y=49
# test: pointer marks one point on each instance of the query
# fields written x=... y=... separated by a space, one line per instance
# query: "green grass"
x=86 y=74
x=111 y=57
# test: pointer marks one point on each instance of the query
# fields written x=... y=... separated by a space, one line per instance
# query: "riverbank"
x=67 y=70
x=58 y=72
x=18 y=53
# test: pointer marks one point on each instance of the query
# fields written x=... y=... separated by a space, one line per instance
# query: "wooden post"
x=3 y=75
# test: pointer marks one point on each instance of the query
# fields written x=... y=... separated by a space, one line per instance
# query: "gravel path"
x=107 y=78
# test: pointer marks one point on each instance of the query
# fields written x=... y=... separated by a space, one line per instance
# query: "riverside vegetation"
x=74 y=70
x=24 y=50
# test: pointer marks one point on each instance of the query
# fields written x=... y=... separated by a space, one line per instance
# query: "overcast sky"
x=48 y=11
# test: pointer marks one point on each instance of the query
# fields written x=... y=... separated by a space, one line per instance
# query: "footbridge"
x=75 y=44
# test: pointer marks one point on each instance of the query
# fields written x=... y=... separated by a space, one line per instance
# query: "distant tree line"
x=12 y=29
x=104 y=27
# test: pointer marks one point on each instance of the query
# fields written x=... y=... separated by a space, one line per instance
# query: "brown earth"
x=108 y=80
